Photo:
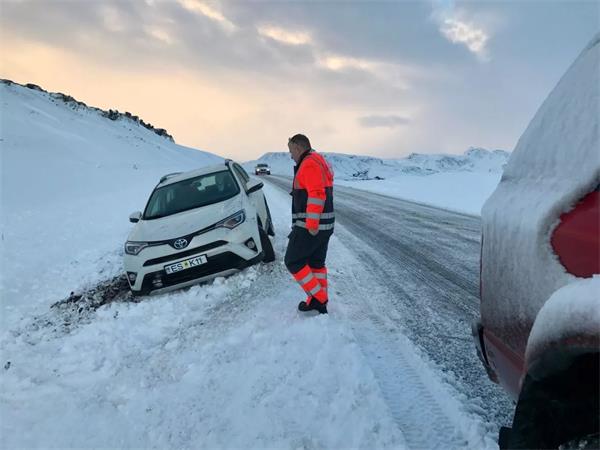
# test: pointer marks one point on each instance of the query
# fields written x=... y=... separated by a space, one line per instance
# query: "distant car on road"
x=262 y=169
x=196 y=226
x=539 y=333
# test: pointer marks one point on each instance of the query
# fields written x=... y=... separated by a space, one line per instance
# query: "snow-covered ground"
x=230 y=364
x=224 y=365
x=457 y=182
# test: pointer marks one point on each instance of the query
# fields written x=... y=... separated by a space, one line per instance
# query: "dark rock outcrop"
x=111 y=114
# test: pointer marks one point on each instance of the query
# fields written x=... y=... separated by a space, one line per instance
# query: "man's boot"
x=313 y=305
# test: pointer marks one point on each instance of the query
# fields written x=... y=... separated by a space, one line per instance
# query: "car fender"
x=567 y=325
x=259 y=202
x=249 y=207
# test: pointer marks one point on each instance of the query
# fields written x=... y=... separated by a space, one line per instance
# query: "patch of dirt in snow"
x=79 y=307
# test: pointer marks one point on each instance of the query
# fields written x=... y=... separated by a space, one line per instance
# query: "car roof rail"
x=167 y=176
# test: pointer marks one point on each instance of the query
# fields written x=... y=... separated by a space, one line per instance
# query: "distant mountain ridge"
x=111 y=114
x=357 y=167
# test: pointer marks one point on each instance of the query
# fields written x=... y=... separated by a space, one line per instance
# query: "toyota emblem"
x=180 y=243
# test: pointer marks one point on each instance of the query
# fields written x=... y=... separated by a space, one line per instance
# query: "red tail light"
x=576 y=240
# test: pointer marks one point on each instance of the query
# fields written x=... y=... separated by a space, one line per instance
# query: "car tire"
x=267 y=246
x=558 y=410
x=270 y=229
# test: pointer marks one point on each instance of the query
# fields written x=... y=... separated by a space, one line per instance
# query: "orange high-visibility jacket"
x=312 y=194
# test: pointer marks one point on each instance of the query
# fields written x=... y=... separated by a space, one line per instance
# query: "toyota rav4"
x=196 y=226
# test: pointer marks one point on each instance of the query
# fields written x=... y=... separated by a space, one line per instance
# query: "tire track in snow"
x=428 y=411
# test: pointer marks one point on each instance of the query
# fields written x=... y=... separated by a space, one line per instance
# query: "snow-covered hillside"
x=70 y=179
x=458 y=182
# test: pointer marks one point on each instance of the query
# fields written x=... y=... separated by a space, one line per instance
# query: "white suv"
x=198 y=225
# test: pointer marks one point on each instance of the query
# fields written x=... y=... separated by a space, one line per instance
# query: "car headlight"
x=134 y=248
x=233 y=220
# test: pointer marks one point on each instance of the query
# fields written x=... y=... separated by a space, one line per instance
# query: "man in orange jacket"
x=312 y=223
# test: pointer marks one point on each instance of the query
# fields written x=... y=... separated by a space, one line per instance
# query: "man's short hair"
x=301 y=140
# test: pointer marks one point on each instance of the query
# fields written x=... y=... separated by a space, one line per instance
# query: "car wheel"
x=267 y=246
x=558 y=410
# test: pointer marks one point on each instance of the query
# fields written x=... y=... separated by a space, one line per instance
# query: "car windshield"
x=192 y=193
x=262 y=165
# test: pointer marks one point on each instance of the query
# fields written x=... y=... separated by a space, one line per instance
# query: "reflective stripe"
x=322 y=276
x=315 y=201
x=322 y=226
x=328 y=215
x=314 y=290
x=306 y=279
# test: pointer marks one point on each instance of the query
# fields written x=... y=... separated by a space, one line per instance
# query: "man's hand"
x=313 y=232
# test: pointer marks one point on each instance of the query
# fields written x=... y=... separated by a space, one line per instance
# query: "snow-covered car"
x=539 y=333
x=262 y=169
x=196 y=226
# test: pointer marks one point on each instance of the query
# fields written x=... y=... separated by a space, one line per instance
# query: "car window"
x=241 y=172
x=191 y=193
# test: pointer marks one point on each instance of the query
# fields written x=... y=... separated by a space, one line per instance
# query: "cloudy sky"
x=237 y=78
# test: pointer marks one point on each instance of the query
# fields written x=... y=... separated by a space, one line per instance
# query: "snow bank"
x=70 y=179
x=171 y=372
x=464 y=192
x=556 y=162
x=572 y=310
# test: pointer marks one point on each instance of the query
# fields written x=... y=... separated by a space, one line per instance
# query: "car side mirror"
x=254 y=186
x=135 y=217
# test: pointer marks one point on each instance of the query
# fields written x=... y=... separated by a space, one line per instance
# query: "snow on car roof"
x=193 y=173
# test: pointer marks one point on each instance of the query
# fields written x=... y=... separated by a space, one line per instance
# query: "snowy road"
x=419 y=271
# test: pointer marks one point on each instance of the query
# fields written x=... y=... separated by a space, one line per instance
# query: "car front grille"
x=189 y=252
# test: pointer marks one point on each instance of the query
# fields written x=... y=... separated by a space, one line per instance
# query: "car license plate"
x=186 y=264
